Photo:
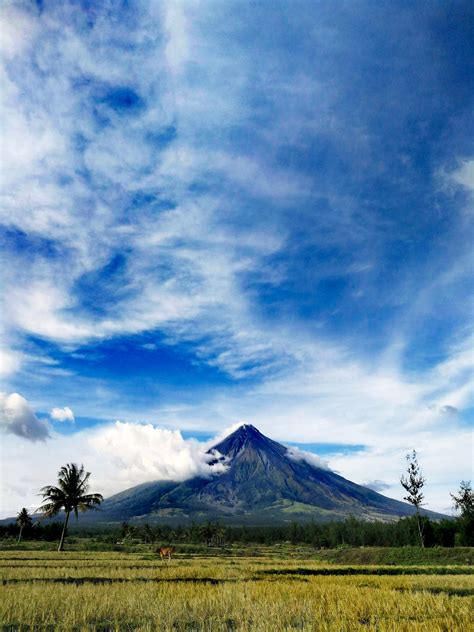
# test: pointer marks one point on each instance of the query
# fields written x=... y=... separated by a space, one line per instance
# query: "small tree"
x=464 y=503
x=208 y=532
x=413 y=482
x=23 y=520
x=147 y=533
x=70 y=495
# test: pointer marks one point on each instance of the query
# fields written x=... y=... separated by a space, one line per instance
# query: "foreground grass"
x=113 y=591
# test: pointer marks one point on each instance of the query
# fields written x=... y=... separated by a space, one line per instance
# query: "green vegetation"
x=349 y=532
x=406 y=555
x=282 y=587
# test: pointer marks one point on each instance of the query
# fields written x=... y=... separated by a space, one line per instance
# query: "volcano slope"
x=263 y=483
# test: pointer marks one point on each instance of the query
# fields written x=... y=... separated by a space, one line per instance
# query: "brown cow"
x=166 y=551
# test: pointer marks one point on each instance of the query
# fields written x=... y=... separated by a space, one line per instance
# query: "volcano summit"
x=263 y=482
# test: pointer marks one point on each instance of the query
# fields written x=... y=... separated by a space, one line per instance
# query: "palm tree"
x=70 y=495
x=23 y=520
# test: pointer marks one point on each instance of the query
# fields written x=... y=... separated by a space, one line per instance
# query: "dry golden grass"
x=109 y=591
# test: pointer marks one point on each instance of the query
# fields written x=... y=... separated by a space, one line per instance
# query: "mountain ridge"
x=262 y=483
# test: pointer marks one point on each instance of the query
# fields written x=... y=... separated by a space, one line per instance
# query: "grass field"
x=271 y=589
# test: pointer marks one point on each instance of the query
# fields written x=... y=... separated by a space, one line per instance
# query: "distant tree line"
x=48 y=532
x=350 y=532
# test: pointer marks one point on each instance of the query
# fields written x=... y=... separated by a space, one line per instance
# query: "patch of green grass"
x=406 y=555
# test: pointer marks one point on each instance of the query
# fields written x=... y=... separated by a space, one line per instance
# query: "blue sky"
x=216 y=212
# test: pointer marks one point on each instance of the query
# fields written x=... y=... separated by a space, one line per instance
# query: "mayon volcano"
x=262 y=482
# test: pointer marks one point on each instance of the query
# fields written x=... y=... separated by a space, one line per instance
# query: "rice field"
x=43 y=590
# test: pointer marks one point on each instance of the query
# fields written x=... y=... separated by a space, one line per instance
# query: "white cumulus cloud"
x=62 y=414
x=17 y=417
x=145 y=453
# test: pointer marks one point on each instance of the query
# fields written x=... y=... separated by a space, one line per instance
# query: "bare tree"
x=413 y=482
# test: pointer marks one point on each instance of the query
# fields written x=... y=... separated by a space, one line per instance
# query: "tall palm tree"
x=23 y=520
x=70 y=495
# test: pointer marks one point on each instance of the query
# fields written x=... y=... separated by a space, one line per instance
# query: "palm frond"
x=50 y=509
x=90 y=501
x=71 y=492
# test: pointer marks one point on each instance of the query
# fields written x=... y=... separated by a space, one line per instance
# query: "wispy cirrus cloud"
x=120 y=139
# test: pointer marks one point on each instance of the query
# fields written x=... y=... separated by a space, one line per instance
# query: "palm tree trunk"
x=63 y=534
x=19 y=537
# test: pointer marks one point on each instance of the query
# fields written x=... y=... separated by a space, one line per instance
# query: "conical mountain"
x=264 y=482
